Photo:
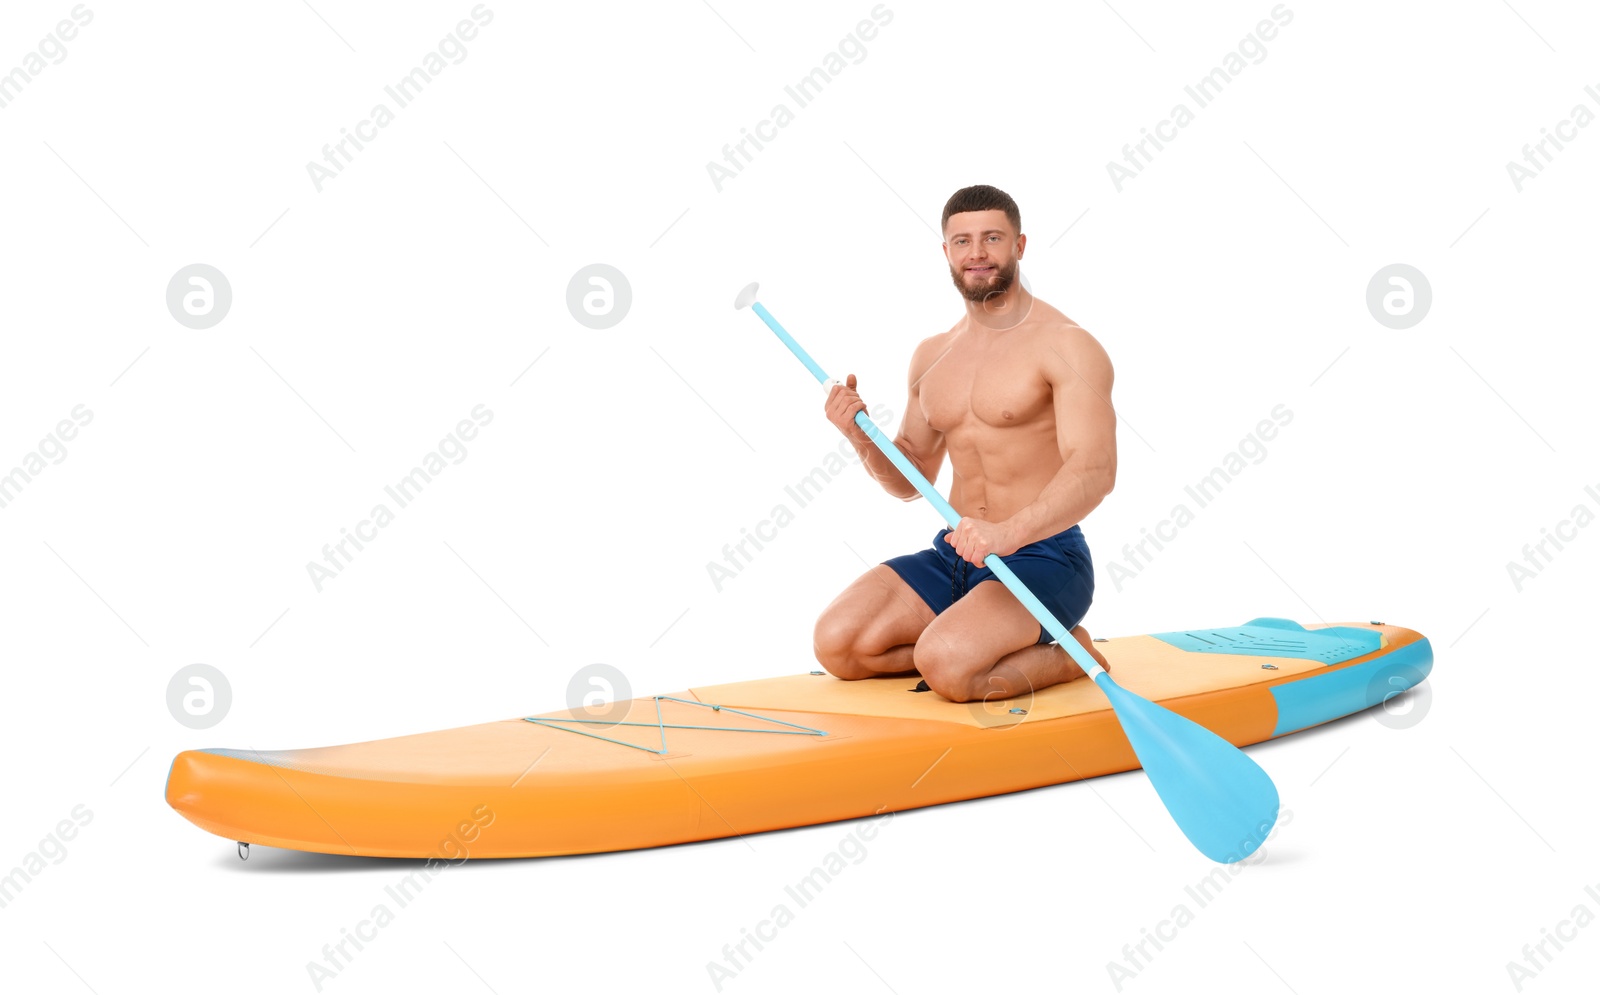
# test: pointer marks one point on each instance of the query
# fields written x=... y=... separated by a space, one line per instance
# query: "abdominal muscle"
x=1000 y=471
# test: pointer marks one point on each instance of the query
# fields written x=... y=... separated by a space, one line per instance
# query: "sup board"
x=747 y=757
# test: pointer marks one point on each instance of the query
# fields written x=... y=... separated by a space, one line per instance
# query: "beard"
x=998 y=283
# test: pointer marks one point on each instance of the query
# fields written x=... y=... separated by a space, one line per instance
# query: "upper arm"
x=1080 y=377
x=921 y=442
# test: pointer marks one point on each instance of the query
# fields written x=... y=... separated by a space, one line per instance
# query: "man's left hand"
x=975 y=539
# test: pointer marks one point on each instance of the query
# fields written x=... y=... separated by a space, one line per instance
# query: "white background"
x=1227 y=278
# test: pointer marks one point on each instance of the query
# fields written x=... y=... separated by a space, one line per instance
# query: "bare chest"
x=999 y=386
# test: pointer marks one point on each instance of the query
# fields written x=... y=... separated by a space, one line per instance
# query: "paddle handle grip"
x=952 y=518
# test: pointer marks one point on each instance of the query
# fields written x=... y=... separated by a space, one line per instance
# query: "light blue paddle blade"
x=1221 y=799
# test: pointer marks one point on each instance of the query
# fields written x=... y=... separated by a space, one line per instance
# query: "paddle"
x=1221 y=799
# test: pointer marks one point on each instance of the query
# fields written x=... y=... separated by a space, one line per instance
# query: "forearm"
x=882 y=469
x=1065 y=501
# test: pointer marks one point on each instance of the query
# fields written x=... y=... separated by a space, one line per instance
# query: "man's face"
x=983 y=251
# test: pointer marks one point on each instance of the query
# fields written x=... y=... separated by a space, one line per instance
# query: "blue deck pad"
x=1279 y=637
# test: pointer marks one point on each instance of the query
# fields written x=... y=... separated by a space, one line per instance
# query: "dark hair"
x=981 y=198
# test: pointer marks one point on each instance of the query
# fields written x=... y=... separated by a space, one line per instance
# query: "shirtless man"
x=1020 y=397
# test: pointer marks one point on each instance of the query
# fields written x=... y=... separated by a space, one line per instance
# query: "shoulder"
x=928 y=352
x=1065 y=347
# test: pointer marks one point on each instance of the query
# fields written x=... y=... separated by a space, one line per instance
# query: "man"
x=1019 y=396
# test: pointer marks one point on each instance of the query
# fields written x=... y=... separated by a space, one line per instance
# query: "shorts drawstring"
x=961 y=569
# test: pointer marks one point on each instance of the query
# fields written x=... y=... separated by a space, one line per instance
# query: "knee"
x=834 y=641
x=944 y=666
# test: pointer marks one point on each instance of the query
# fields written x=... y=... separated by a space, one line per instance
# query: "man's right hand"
x=842 y=405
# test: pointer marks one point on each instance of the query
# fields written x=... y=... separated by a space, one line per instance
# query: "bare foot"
x=1082 y=636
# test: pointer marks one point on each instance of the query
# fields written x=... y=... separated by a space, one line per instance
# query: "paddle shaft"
x=952 y=518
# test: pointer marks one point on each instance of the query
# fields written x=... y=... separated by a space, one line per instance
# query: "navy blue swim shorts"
x=1057 y=569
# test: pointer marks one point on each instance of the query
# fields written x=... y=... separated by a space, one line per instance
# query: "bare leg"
x=985 y=646
x=870 y=629
x=1070 y=668
x=1037 y=666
